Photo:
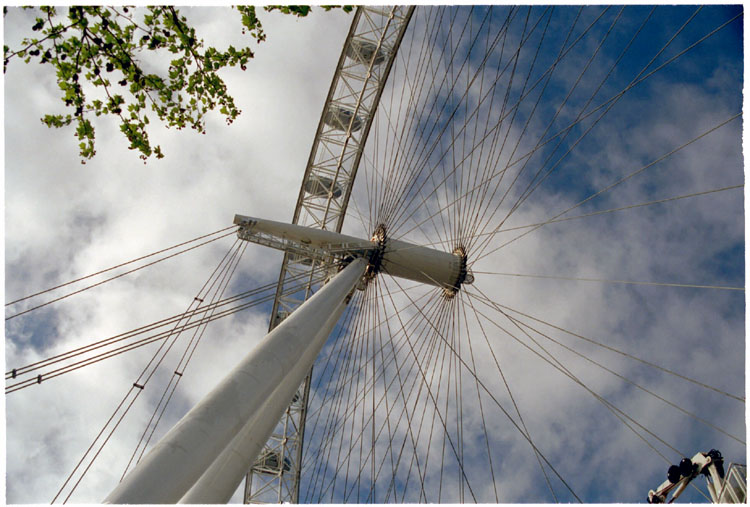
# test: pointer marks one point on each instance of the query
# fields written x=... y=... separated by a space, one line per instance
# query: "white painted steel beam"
x=220 y=481
x=421 y=264
x=399 y=258
x=317 y=238
x=210 y=430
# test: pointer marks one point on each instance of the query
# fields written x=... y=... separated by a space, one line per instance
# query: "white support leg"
x=202 y=436
x=220 y=481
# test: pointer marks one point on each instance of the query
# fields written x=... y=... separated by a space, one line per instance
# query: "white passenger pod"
x=340 y=118
x=363 y=51
x=321 y=186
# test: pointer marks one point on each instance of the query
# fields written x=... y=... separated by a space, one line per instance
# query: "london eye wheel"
x=583 y=167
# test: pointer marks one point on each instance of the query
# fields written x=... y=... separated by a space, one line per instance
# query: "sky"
x=64 y=220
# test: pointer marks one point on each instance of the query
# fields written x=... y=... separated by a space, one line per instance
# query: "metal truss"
x=734 y=487
x=325 y=247
x=363 y=67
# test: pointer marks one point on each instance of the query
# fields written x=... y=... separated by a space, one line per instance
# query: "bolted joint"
x=375 y=256
x=464 y=275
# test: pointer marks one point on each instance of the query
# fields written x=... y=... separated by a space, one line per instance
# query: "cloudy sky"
x=432 y=173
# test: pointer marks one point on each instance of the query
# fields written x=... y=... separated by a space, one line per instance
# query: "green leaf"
x=91 y=47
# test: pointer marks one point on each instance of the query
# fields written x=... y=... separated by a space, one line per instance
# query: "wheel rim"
x=450 y=446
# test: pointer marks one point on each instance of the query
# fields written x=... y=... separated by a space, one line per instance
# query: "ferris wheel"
x=544 y=205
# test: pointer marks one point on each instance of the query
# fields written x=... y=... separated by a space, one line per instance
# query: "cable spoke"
x=600 y=280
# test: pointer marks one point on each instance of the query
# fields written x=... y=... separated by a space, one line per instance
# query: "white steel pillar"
x=220 y=481
x=206 y=438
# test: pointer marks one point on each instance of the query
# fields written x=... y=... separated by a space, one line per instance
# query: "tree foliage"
x=134 y=62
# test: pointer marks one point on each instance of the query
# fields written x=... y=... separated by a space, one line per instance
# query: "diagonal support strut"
x=206 y=454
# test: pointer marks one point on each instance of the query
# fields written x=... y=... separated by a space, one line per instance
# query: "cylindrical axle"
x=395 y=257
x=421 y=264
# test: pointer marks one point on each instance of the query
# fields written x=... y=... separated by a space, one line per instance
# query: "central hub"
x=375 y=260
x=391 y=256
x=464 y=276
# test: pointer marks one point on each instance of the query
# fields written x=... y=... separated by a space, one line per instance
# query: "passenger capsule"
x=301 y=259
x=269 y=463
x=321 y=186
x=362 y=51
x=339 y=118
